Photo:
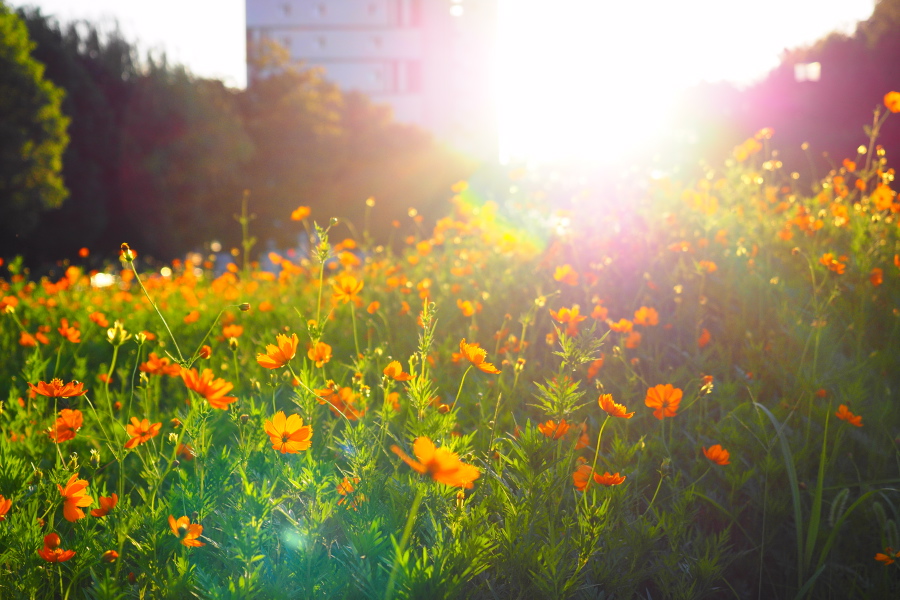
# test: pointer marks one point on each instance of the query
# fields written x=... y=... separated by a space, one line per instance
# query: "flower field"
x=690 y=395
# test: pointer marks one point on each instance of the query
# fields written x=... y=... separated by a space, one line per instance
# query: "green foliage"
x=32 y=132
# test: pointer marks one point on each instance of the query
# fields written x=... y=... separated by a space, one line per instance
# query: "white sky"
x=583 y=45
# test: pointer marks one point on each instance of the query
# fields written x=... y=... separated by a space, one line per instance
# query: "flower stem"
x=459 y=391
x=410 y=519
x=596 y=455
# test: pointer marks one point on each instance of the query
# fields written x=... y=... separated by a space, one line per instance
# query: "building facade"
x=431 y=61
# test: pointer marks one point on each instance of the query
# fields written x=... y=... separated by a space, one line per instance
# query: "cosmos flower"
x=347 y=288
x=277 y=356
x=320 y=353
x=66 y=425
x=583 y=475
x=52 y=552
x=56 y=389
x=553 y=430
x=5 y=505
x=395 y=371
x=288 y=434
x=475 y=354
x=612 y=409
x=213 y=390
x=717 y=454
x=443 y=465
x=107 y=503
x=75 y=497
x=664 y=399
x=141 y=431
x=843 y=413
x=186 y=531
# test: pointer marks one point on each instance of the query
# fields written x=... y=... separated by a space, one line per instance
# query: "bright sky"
x=594 y=56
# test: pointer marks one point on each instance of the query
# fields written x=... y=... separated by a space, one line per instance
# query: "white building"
x=430 y=60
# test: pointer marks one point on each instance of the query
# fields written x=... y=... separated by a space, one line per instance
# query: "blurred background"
x=150 y=121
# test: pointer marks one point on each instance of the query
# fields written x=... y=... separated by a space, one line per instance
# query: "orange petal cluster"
x=843 y=413
x=552 y=429
x=107 y=503
x=51 y=552
x=288 y=434
x=613 y=409
x=443 y=465
x=66 y=425
x=186 y=531
x=476 y=355
x=717 y=454
x=213 y=390
x=141 y=431
x=57 y=389
x=75 y=497
x=583 y=475
x=279 y=354
x=664 y=399
x=395 y=371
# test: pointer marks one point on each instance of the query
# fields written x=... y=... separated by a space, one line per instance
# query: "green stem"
x=459 y=391
x=596 y=455
x=158 y=312
x=353 y=318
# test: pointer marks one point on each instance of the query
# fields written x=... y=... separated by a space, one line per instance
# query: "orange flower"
x=27 y=340
x=141 y=431
x=888 y=557
x=664 y=399
x=5 y=505
x=844 y=414
x=106 y=505
x=646 y=316
x=192 y=317
x=75 y=496
x=876 y=277
x=280 y=355
x=717 y=454
x=395 y=371
x=582 y=477
x=475 y=354
x=288 y=434
x=373 y=307
x=443 y=465
x=551 y=430
x=186 y=531
x=623 y=326
x=66 y=425
x=595 y=367
x=160 y=366
x=834 y=264
x=300 y=213
x=204 y=352
x=704 y=338
x=56 y=389
x=566 y=274
x=341 y=401
x=320 y=353
x=99 y=318
x=570 y=316
x=110 y=556
x=707 y=266
x=347 y=288
x=52 y=552
x=232 y=331
x=345 y=488
x=186 y=452
x=213 y=390
x=612 y=409
x=892 y=101
x=600 y=312
x=71 y=333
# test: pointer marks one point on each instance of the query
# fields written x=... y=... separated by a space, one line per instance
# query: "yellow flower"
x=443 y=466
x=288 y=434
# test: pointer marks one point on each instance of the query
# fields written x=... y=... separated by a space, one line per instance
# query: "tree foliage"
x=32 y=133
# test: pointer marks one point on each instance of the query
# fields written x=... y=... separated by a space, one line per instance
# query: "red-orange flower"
x=277 y=356
x=56 y=389
x=622 y=326
x=876 y=277
x=888 y=557
x=320 y=353
x=553 y=430
x=341 y=401
x=834 y=264
x=664 y=399
x=571 y=317
x=843 y=413
x=110 y=556
x=612 y=409
x=186 y=531
x=141 y=431
x=288 y=434
x=583 y=475
x=107 y=503
x=475 y=354
x=300 y=213
x=160 y=366
x=717 y=454
x=704 y=339
x=5 y=505
x=66 y=425
x=71 y=333
x=443 y=465
x=52 y=552
x=395 y=371
x=75 y=497
x=213 y=390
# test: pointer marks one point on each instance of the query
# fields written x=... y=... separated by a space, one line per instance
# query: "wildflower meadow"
x=688 y=395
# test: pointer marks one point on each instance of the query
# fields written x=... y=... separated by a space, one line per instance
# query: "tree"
x=32 y=135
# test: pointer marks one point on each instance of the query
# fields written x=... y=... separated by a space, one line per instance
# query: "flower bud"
x=244 y=306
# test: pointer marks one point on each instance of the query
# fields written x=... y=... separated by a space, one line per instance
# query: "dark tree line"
x=161 y=158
